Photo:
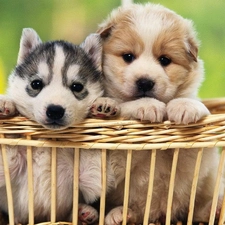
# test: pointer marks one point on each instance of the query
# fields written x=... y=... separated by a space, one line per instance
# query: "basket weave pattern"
x=122 y=135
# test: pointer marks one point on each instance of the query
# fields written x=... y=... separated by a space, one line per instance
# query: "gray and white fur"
x=55 y=84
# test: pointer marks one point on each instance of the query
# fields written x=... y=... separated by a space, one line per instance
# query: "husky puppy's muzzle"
x=55 y=115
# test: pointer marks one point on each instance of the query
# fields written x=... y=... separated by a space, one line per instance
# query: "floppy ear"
x=193 y=49
x=29 y=40
x=105 y=31
x=92 y=45
x=192 y=43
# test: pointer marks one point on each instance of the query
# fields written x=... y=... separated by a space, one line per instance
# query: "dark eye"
x=164 y=61
x=77 y=87
x=37 y=84
x=128 y=58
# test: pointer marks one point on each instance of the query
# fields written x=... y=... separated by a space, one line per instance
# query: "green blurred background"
x=74 y=20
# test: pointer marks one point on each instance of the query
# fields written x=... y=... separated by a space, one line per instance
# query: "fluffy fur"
x=150 y=59
x=54 y=83
x=151 y=67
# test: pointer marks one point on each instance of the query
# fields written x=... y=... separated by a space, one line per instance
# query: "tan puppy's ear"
x=193 y=49
x=105 y=31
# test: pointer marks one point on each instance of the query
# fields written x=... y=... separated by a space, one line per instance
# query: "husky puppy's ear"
x=29 y=40
x=92 y=45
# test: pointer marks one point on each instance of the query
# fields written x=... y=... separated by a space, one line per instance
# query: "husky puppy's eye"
x=128 y=58
x=164 y=61
x=37 y=84
x=76 y=87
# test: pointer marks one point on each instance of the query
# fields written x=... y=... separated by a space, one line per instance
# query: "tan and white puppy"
x=151 y=64
x=151 y=67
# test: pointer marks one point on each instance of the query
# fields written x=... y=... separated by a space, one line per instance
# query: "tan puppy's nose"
x=144 y=85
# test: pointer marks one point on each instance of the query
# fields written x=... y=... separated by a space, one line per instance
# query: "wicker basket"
x=122 y=135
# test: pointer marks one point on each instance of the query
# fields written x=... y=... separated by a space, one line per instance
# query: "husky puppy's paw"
x=115 y=216
x=105 y=107
x=185 y=110
x=7 y=107
x=87 y=214
x=144 y=109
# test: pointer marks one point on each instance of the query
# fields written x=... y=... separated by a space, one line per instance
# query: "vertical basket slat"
x=127 y=186
x=150 y=186
x=194 y=186
x=8 y=184
x=217 y=188
x=171 y=186
x=222 y=213
x=53 y=184
x=76 y=185
x=103 y=192
x=30 y=184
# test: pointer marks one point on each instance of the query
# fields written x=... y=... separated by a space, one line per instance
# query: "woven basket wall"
x=123 y=135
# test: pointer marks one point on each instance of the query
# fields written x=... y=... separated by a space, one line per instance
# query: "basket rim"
x=116 y=134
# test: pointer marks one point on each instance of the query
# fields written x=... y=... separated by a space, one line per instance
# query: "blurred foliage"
x=73 y=20
x=2 y=76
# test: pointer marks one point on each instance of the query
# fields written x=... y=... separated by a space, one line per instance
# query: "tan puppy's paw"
x=185 y=110
x=115 y=216
x=105 y=107
x=144 y=109
x=7 y=107
x=87 y=214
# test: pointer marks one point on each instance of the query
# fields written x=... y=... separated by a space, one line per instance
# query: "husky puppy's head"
x=55 y=83
x=149 y=51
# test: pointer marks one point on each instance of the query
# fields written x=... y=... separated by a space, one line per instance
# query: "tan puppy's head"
x=150 y=51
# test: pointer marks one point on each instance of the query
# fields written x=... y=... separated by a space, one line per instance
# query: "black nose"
x=144 y=84
x=55 y=112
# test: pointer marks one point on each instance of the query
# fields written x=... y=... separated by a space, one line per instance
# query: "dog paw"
x=185 y=110
x=144 y=109
x=115 y=216
x=7 y=107
x=105 y=107
x=87 y=214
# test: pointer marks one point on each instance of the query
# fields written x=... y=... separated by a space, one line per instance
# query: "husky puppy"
x=56 y=84
x=151 y=67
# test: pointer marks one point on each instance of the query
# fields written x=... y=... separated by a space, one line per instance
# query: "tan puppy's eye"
x=128 y=58
x=164 y=61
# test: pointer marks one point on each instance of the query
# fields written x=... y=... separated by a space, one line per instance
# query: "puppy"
x=151 y=67
x=55 y=84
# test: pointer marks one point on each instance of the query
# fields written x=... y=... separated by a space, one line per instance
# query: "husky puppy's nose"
x=144 y=84
x=55 y=112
